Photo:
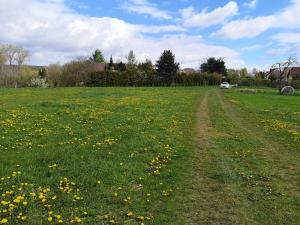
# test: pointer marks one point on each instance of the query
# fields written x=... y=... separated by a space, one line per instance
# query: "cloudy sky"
x=246 y=33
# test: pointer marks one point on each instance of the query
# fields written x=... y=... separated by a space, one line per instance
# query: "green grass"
x=155 y=153
x=134 y=141
x=251 y=162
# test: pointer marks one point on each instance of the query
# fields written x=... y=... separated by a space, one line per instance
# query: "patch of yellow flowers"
x=16 y=198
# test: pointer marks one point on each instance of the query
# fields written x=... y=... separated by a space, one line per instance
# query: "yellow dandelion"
x=130 y=214
x=3 y=221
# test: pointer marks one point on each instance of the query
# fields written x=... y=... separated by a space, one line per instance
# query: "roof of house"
x=98 y=66
x=188 y=70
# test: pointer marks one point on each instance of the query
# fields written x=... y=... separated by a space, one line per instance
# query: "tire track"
x=212 y=202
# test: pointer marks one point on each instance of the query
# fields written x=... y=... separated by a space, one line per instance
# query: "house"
x=294 y=72
x=98 y=67
x=188 y=70
x=289 y=73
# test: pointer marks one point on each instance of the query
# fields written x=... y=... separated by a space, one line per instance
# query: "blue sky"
x=246 y=33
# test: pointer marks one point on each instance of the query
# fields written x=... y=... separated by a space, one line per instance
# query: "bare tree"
x=10 y=52
x=11 y=55
x=14 y=54
x=21 y=55
x=3 y=58
x=282 y=71
x=2 y=54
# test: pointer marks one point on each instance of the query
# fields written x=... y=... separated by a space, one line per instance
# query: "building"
x=98 y=67
x=294 y=72
x=188 y=70
x=288 y=74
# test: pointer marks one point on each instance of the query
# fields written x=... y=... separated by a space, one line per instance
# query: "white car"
x=225 y=85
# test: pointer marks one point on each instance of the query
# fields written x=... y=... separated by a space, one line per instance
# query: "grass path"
x=240 y=174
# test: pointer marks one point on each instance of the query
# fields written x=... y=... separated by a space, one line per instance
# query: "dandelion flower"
x=130 y=214
x=3 y=221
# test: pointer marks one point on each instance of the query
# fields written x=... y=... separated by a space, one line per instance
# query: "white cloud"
x=144 y=7
x=289 y=44
x=279 y=51
x=53 y=32
x=252 y=4
x=251 y=47
x=290 y=37
x=245 y=28
x=189 y=50
x=203 y=19
x=159 y=29
x=287 y=18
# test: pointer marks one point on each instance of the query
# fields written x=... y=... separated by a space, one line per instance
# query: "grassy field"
x=142 y=156
x=99 y=156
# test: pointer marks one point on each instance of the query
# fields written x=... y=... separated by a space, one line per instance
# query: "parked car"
x=225 y=85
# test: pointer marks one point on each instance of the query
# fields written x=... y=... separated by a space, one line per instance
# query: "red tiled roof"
x=98 y=67
x=188 y=70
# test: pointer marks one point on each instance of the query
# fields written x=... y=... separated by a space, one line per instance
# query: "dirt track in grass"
x=212 y=203
x=240 y=174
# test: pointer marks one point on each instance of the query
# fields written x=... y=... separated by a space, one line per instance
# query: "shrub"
x=38 y=82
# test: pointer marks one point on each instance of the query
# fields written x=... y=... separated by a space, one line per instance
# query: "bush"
x=296 y=84
x=27 y=74
x=38 y=82
x=258 y=82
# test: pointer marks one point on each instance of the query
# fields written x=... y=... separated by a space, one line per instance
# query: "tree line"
x=97 y=71
x=85 y=71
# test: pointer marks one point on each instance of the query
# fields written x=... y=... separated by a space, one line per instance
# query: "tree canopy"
x=98 y=56
x=213 y=65
x=167 y=68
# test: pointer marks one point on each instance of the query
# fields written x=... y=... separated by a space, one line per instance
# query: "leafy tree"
x=146 y=73
x=54 y=72
x=111 y=63
x=213 y=65
x=27 y=74
x=167 y=68
x=260 y=75
x=76 y=72
x=244 y=72
x=97 y=57
x=233 y=75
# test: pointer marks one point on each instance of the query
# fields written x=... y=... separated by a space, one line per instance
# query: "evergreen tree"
x=167 y=68
x=42 y=73
x=213 y=65
x=120 y=66
x=97 y=57
x=111 y=63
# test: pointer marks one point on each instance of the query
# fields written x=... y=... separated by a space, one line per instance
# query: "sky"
x=246 y=33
